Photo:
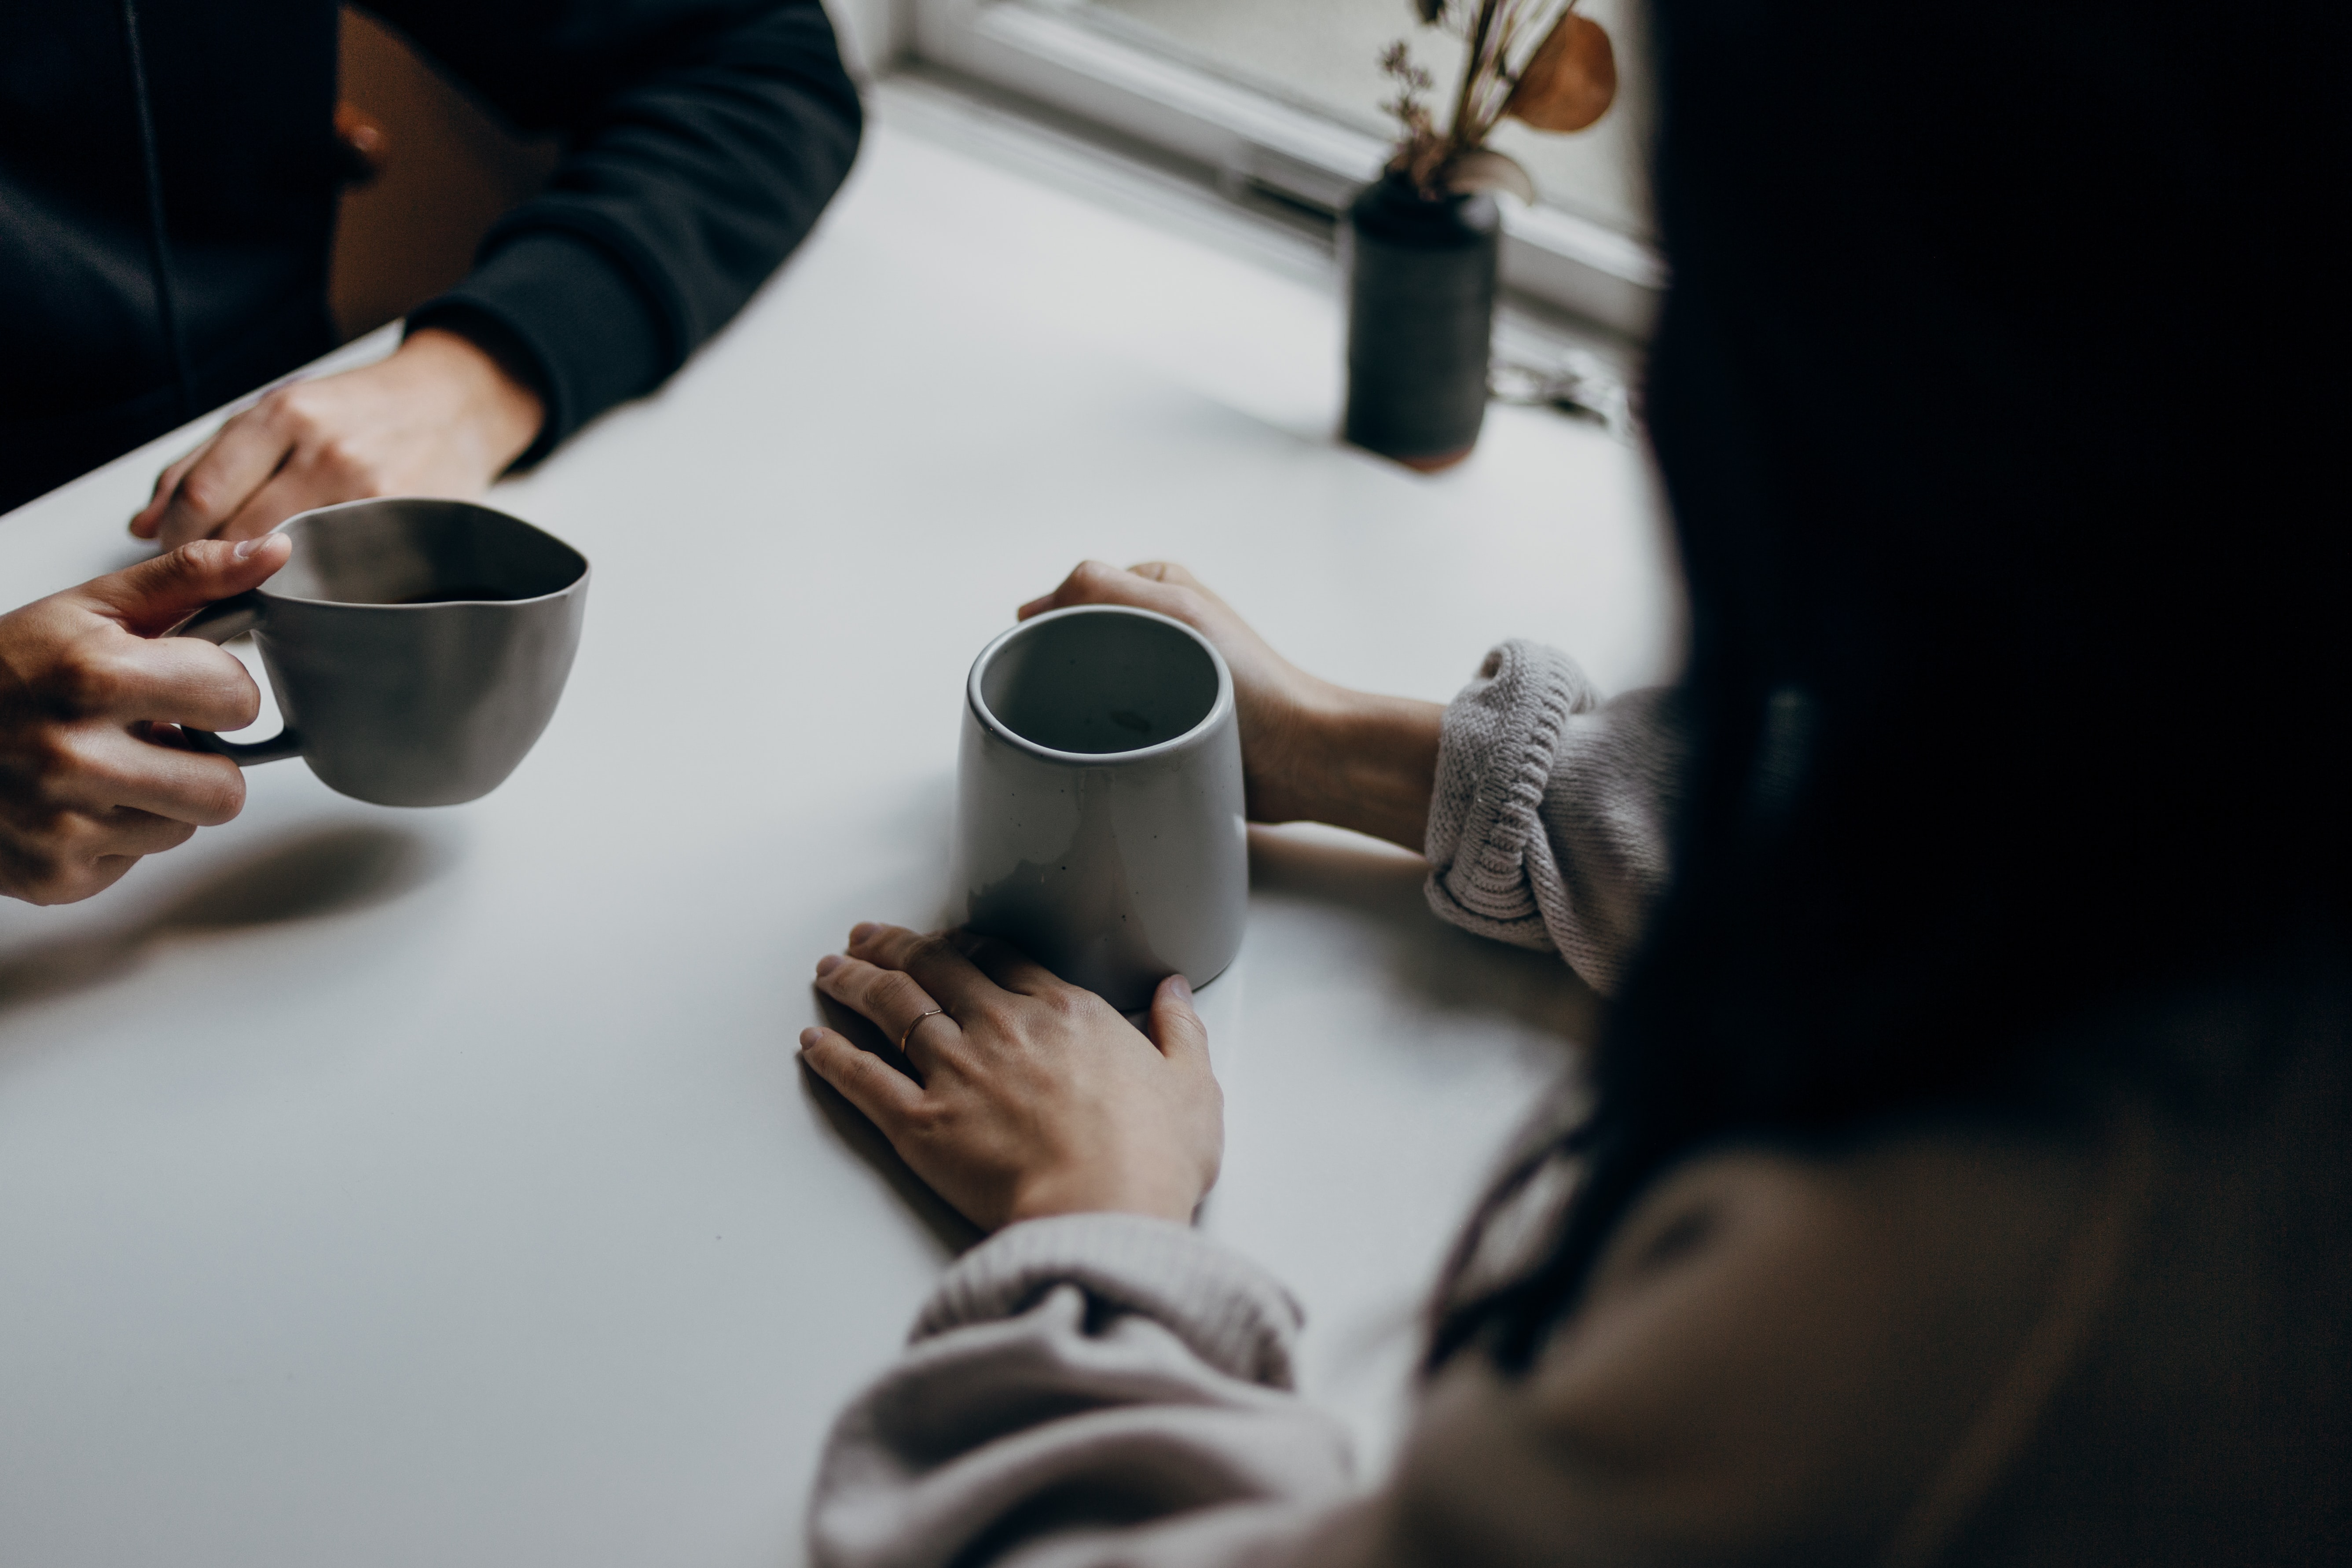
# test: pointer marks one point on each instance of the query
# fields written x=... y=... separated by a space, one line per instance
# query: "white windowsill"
x=1088 y=79
x=1184 y=198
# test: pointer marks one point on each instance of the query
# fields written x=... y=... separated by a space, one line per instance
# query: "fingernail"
x=1182 y=987
x=246 y=547
x=828 y=964
x=810 y=1038
x=863 y=930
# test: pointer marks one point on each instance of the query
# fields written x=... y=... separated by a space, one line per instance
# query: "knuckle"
x=231 y=691
x=217 y=796
x=294 y=409
x=202 y=493
x=89 y=683
x=928 y=949
x=55 y=874
x=33 y=872
x=58 y=888
x=1002 y=1016
x=27 y=775
x=896 y=989
x=54 y=756
x=342 y=456
x=182 y=566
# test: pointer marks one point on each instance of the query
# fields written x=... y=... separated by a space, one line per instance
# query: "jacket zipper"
x=159 y=249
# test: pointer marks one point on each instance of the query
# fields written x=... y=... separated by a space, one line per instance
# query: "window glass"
x=1325 y=55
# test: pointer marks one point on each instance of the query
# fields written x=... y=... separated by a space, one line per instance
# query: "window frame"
x=1246 y=137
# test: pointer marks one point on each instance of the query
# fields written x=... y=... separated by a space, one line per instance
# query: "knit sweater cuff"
x=572 y=314
x=1494 y=754
x=1227 y=1310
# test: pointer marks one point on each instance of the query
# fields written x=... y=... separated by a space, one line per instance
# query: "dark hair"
x=2000 y=399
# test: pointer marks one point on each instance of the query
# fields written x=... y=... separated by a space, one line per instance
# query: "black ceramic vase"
x=1421 y=313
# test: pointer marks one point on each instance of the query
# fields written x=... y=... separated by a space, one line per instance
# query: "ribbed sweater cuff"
x=575 y=316
x=1494 y=755
x=1227 y=1310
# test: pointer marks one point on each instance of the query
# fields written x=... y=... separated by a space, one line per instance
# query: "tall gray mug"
x=416 y=647
x=1099 y=823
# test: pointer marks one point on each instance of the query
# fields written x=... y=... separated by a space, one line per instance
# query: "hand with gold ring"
x=909 y=1032
x=1022 y=1096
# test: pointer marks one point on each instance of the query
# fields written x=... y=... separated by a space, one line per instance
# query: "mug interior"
x=1099 y=681
x=416 y=551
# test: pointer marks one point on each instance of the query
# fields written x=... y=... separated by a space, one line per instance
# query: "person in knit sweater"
x=1966 y=1176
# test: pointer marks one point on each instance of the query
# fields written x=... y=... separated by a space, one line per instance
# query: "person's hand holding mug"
x=442 y=417
x=1311 y=750
x=91 y=696
x=1021 y=1096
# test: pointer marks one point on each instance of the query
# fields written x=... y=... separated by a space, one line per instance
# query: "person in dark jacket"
x=168 y=176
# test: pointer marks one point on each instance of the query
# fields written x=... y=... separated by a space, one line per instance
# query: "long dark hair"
x=2001 y=395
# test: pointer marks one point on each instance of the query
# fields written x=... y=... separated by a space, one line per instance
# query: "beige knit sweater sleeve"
x=1549 y=824
x=1091 y=1389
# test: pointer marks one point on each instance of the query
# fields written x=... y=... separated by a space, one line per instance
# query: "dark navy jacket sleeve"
x=702 y=139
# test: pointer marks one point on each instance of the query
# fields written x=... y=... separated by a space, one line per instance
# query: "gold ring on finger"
x=909 y=1032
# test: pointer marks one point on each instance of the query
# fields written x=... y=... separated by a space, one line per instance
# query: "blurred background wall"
x=448 y=169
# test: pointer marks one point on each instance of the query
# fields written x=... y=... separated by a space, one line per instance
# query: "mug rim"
x=265 y=590
x=979 y=708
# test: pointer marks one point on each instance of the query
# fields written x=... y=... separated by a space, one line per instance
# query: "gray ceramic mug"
x=417 y=647
x=1099 y=822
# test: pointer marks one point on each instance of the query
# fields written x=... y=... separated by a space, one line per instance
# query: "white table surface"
x=384 y=1187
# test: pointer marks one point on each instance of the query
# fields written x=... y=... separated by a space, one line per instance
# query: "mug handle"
x=225 y=621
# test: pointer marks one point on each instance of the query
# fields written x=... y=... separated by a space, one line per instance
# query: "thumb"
x=153 y=596
x=1176 y=1030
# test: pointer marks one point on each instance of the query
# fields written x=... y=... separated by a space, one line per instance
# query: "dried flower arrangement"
x=1564 y=79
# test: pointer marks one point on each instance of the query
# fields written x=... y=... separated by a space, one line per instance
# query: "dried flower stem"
x=1496 y=34
x=1473 y=68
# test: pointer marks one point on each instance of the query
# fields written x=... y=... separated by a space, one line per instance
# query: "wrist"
x=1369 y=762
x=503 y=407
x=1053 y=1193
x=1286 y=752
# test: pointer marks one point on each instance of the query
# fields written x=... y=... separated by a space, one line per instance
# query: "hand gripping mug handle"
x=225 y=621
